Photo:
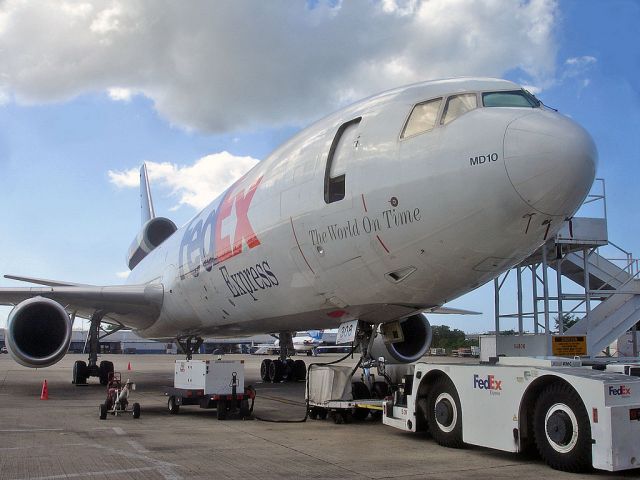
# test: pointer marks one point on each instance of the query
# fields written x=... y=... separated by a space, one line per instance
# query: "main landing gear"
x=83 y=370
x=283 y=369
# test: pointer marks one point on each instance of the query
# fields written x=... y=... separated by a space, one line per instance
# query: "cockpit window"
x=458 y=105
x=422 y=119
x=516 y=98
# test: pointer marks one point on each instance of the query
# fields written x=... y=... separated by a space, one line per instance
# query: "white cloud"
x=218 y=66
x=120 y=94
x=124 y=274
x=196 y=185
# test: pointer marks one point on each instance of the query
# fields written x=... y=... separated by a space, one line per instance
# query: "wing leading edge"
x=135 y=306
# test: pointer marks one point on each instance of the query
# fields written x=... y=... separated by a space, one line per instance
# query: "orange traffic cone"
x=129 y=366
x=45 y=391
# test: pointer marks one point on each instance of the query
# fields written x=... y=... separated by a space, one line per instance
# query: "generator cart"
x=211 y=384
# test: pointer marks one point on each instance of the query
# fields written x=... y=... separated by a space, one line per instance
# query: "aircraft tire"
x=444 y=415
x=105 y=369
x=289 y=374
x=264 y=370
x=79 y=376
x=380 y=390
x=276 y=371
x=562 y=430
x=359 y=391
x=299 y=370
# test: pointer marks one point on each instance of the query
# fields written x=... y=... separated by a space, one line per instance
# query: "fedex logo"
x=489 y=383
x=622 y=391
x=205 y=241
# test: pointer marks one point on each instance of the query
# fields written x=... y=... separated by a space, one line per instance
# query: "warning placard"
x=568 y=346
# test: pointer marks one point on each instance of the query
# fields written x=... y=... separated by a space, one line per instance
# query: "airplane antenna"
x=146 y=202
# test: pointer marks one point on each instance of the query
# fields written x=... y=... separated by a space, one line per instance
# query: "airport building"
x=128 y=342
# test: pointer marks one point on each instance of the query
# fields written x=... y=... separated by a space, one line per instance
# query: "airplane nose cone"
x=551 y=162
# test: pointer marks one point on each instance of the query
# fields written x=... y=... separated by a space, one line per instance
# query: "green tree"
x=569 y=320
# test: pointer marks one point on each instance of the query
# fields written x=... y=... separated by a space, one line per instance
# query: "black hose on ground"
x=306 y=410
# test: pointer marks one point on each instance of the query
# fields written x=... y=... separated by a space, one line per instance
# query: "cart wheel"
x=103 y=411
x=347 y=416
x=244 y=408
x=313 y=413
x=561 y=429
x=275 y=371
x=174 y=408
x=79 y=373
x=221 y=409
x=136 y=410
x=376 y=415
x=105 y=369
x=264 y=370
x=322 y=413
x=359 y=391
x=338 y=419
x=299 y=370
x=444 y=414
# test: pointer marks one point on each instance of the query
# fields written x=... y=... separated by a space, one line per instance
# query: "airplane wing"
x=42 y=281
x=454 y=311
x=134 y=306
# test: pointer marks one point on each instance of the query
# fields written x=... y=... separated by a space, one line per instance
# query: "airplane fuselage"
x=361 y=216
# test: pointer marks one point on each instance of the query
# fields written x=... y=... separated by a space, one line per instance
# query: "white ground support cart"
x=332 y=393
x=210 y=384
x=578 y=416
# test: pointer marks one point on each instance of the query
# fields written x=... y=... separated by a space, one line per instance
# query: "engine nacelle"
x=417 y=333
x=153 y=233
x=38 y=332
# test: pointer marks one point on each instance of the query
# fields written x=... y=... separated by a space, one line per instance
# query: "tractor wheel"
x=103 y=411
x=562 y=430
x=444 y=415
x=136 y=410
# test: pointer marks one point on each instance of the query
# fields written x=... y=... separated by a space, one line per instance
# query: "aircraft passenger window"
x=342 y=148
x=517 y=98
x=422 y=119
x=458 y=105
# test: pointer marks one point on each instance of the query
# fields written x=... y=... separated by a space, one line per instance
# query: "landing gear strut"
x=190 y=345
x=284 y=368
x=83 y=370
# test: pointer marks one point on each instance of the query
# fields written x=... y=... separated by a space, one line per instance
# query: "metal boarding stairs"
x=609 y=303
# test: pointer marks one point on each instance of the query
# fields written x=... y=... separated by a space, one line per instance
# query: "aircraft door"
x=343 y=149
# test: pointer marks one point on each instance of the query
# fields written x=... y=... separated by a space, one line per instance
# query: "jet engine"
x=38 y=332
x=417 y=335
x=153 y=233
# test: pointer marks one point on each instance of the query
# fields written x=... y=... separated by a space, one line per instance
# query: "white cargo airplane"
x=380 y=212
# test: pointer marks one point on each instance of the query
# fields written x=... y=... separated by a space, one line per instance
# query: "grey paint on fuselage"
x=443 y=211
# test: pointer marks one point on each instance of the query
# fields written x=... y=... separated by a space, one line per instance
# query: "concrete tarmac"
x=63 y=438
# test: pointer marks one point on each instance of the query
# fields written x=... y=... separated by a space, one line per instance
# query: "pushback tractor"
x=576 y=415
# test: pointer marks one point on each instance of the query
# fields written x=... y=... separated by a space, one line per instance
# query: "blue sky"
x=88 y=89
